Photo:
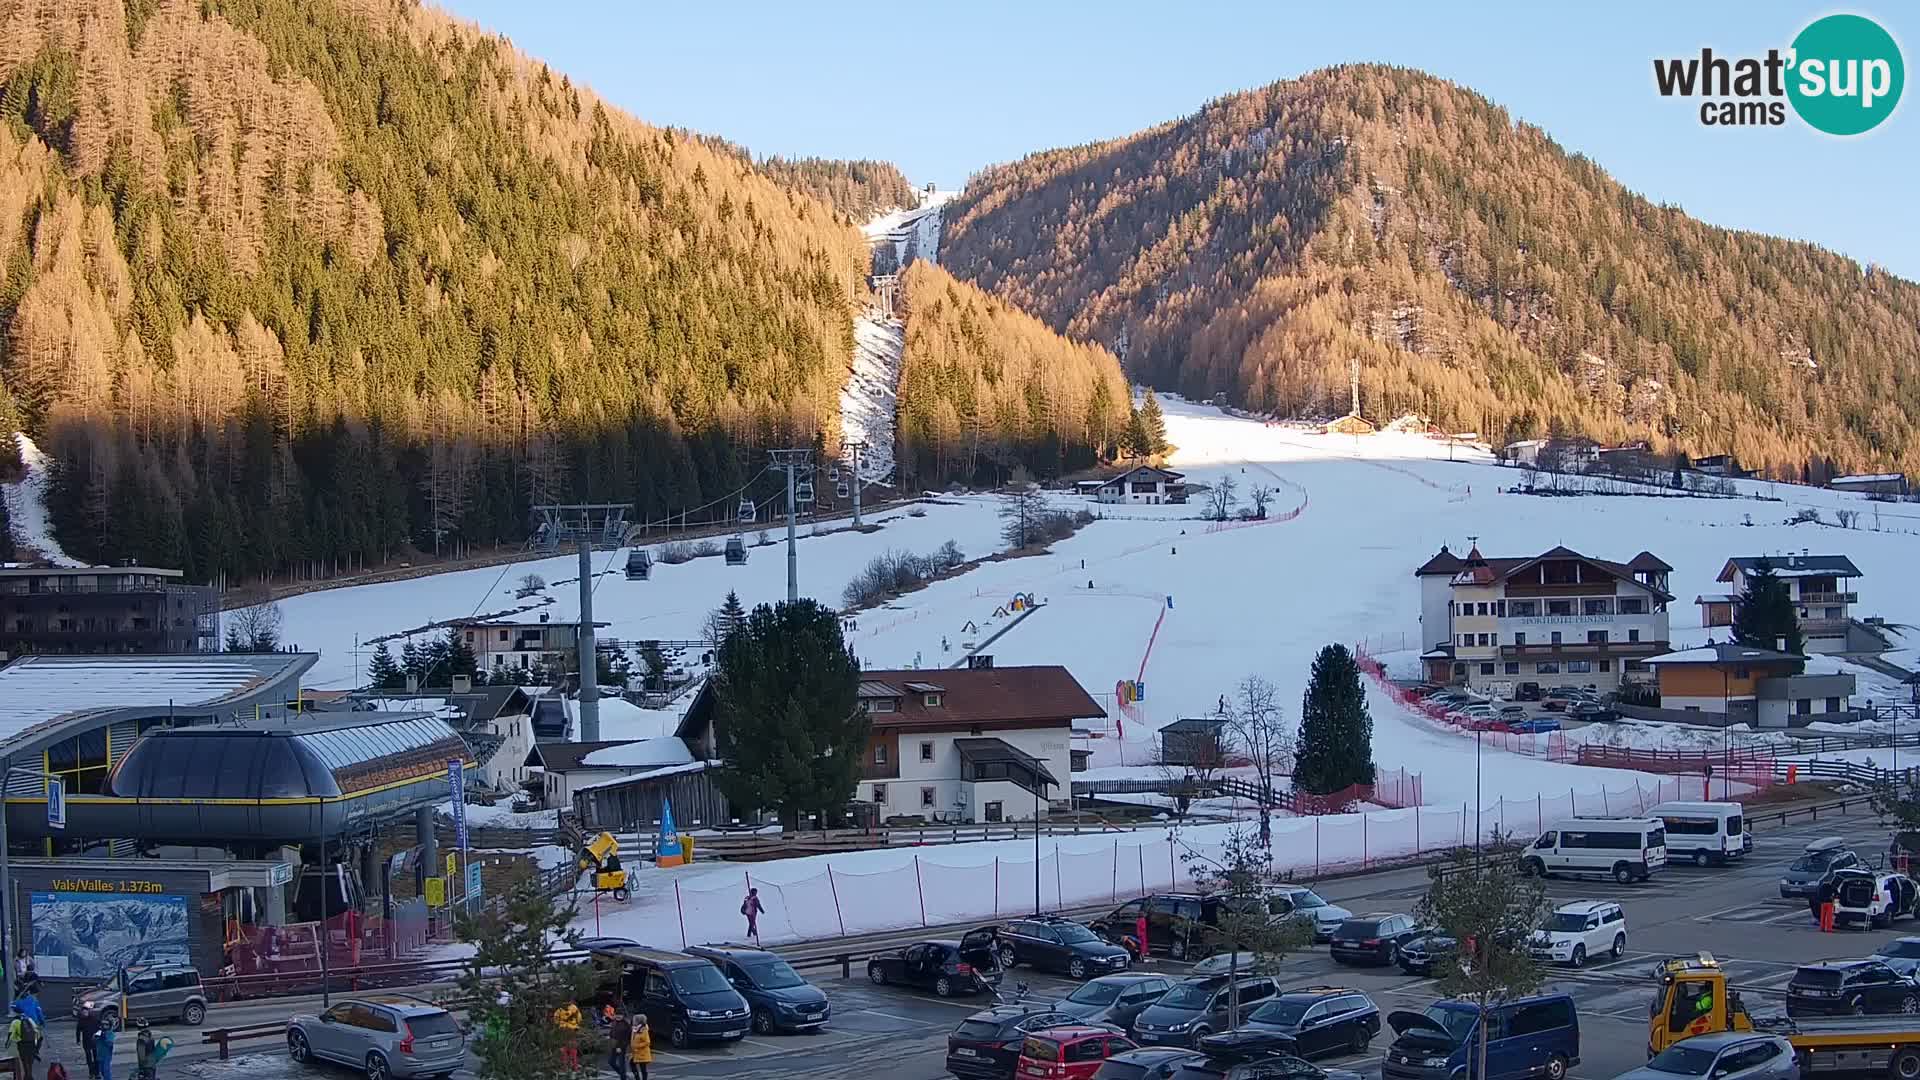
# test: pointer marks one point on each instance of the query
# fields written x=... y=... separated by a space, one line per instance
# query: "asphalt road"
x=1734 y=912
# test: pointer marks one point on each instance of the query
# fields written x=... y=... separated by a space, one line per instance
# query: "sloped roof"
x=1041 y=695
x=1724 y=652
x=979 y=750
x=1446 y=562
x=1647 y=560
x=1168 y=474
x=1499 y=569
x=1195 y=725
x=35 y=691
x=569 y=756
x=1792 y=565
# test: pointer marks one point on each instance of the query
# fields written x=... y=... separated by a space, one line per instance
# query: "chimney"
x=463 y=684
x=1779 y=644
x=413 y=684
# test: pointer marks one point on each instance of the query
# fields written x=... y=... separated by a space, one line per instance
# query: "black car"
x=1177 y=923
x=1850 y=988
x=683 y=996
x=1053 y=943
x=1373 y=938
x=781 y=1000
x=1321 y=1019
x=1152 y=1063
x=986 y=1045
x=1247 y=1055
x=1199 y=1007
x=944 y=965
x=1115 y=999
x=1592 y=711
x=1424 y=953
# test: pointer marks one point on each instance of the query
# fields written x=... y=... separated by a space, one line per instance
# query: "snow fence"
x=828 y=896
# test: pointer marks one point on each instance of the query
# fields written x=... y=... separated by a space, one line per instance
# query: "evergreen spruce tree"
x=413 y=663
x=514 y=985
x=1765 y=614
x=1154 y=425
x=1134 y=441
x=786 y=718
x=460 y=658
x=1336 y=732
x=729 y=617
x=382 y=672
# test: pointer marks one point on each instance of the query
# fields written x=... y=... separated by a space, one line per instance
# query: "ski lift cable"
x=734 y=494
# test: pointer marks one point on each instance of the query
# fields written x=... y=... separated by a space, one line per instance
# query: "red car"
x=1072 y=1052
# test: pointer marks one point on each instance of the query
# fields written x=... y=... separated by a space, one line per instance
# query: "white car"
x=1308 y=904
x=1582 y=929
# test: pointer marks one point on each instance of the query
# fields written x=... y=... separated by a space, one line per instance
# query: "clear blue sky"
x=941 y=89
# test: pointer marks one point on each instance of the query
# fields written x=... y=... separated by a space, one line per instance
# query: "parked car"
x=1146 y=1063
x=1562 y=698
x=1177 y=923
x=1468 y=715
x=1900 y=954
x=1580 y=930
x=1253 y=1055
x=780 y=999
x=390 y=1035
x=685 y=997
x=1423 y=954
x=1722 y=1055
x=150 y=990
x=1055 y=943
x=946 y=966
x=1867 y=898
x=1072 y=1052
x=1526 y=691
x=1513 y=714
x=1308 y=904
x=1321 y=1019
x=1534 y=725
x=1528 y=1037
x=1818 y=859
x=1114 y=999
x=1373 y=938
x=1850 y=988
x=986 y=1045
x=1592 y=712
x=1199 y=1007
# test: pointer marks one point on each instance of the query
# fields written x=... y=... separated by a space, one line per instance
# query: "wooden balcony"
x=889 y=771
x=1829 y=598
x=1550 y=649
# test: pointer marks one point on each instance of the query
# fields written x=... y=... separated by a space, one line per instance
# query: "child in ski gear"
x=146 y=1055
x=567 y=1018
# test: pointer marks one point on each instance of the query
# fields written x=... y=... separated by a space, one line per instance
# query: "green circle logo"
x=1847 y=74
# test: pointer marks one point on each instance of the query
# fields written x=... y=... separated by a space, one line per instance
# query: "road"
x=1734 y=912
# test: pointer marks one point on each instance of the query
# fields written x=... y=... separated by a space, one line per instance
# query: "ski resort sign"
x=1842 y=75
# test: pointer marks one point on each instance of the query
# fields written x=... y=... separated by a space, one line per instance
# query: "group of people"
x=26 y=1036
x=631 y=1040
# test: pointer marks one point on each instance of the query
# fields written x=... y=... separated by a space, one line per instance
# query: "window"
x=1579 y=667
x=879 y=753
x=1831 y=613
x=1633 y=635
x=1596 y=637
x=1606 y=665
x=1556 y=637
x=1482 y=609
x=1466 y=609
x=993 y=812
x=1086 y=1050
x=1597 y=606
x=176 y=980
x=1542 y=1016
x=1519 y=637
x=880 y=793
x=1466 y=640
x=1833 y=704
x=926 y=796
x=1559 y=607
x=880 y=704
x=1523 y=609
x=1486 y=669
x=1486 y=640
x=1500 y=608
x=931 y=701
x=1803 y=707
x=926 y=750
x=1633 y=605
x=1547 y=667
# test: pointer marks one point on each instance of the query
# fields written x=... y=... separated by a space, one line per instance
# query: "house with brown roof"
x=965 y=745
x=1143 y=484
x=1557 y=618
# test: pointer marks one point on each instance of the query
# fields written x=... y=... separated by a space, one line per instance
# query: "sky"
x=942 y=89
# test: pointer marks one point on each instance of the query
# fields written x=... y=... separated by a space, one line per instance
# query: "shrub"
x=894 y=572
x=675 y=552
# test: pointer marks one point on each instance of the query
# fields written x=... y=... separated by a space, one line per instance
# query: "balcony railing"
x=1585 y=648
x=1829 y=598
x=870 y=771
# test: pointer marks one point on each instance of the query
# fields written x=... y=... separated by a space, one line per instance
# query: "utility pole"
x=589 y=661
x=792 y=460
x=853 y=449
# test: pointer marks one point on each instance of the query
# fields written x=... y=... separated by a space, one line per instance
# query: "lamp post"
x=7 y=906
x=1476 y=794
x=1036 y=845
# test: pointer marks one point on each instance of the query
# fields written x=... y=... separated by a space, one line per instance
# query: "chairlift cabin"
x=803 y=492
x=746 y=511
x=834 y=473
x=841 y=490
x=639 y=564
x=736 y=552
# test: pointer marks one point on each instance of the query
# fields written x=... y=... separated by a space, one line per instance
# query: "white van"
x=1706 y=832
x=1625 y=849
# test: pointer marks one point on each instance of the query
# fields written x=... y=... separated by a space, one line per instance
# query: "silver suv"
x=149 y=991
x=391 y=1035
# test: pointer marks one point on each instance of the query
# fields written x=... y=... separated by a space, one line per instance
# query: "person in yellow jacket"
x=567 y=1019
x=640 y=1047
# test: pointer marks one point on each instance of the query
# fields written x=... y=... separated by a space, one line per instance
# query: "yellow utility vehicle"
x=602 y=856
x=1694 y=999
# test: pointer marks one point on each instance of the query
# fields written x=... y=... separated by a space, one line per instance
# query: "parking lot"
x=1734 y=912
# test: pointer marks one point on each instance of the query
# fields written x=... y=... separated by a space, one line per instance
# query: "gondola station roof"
x=46 y=699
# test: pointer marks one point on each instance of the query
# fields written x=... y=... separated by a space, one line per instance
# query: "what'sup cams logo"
x=1842 y=75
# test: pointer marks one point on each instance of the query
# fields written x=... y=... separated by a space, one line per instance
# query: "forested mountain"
x=858 y=189
x=985 y=387
x=293 y=283
x=1480 y=274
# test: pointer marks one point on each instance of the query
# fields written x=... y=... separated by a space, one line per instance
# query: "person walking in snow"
x=751 y=907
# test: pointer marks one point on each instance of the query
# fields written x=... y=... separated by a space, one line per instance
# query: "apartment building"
x=1556 y=618
x=1820 y=586
x=105 y=609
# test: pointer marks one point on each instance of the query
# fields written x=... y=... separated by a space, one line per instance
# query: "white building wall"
x=942 y=774
x=508 y=766
x=1436 y=602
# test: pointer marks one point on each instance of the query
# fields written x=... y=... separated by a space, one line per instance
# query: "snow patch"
x=27 y=506
x=868 y=401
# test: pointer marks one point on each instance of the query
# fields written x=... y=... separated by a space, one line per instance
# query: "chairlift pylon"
x=746 y=511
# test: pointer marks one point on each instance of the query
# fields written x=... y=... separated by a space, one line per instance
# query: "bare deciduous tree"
x=1190 y=762
x=1261 y=495
x=254 y=629
x=1260 y=731
x=1221 y=499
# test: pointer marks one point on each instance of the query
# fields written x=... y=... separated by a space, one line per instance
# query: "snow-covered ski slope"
x=867 y=403
x=915 y=232
x=1252 y=599
x=27 y=507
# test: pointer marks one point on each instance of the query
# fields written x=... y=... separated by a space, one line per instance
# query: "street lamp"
x=7 y=906
x=1476 y=793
